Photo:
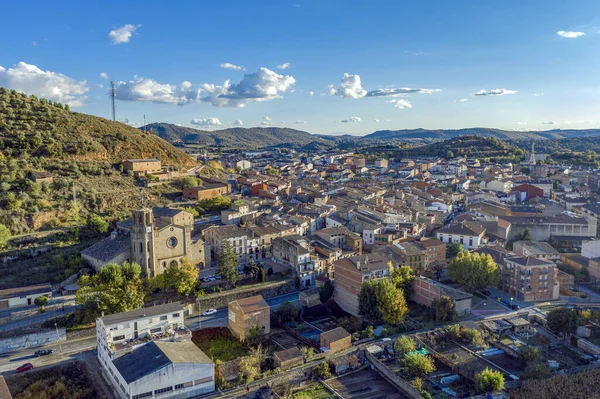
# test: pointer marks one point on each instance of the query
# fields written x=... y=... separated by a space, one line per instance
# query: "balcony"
x=120 y=348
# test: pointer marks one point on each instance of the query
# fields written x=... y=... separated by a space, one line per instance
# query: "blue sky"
x=166 y=58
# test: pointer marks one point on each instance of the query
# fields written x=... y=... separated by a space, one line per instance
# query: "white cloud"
x=548 y=123
x=122 y=34
x=332 y=91
x=228 y=65
x=402 y=104
x=569 y=34
x=207 y=122
x=375 y=120
x=388 y=120
x=284 y=66
x=494 y=92
x=238 y=122
x=103 y=75
x=463 y=100
x=100 y=86
x=399 y=92
x=521 y=123
x=131 y=123
x=35 y=44
x=311 y=93
x=350 y=87
x=54 y=86
x=267 y=119
x=300 y=122
x=538 y=94
x=142 y=89
x=260 y=86
x=297 y=5
x=575 y=122
x=353 y=119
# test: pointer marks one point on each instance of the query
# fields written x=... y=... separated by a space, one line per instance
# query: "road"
x=69 y=305
x=10 y=361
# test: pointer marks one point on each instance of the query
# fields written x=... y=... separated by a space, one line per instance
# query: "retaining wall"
x=32 y=340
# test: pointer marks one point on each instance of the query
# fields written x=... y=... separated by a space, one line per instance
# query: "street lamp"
x=58 y=338
x=511 y=299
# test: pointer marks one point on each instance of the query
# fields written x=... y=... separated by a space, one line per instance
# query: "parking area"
x=364 y=384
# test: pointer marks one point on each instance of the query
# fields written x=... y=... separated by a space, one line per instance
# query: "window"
x=141 y=247
x=179 y=386
x=167 y=389
x=163 y=318
x=175 y=314
x=156 y=330
x=119 y=338
x=142 y=395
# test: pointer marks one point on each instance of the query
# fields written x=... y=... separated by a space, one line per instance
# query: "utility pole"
x=113 y=96
x=74 y=193
x=58 y=338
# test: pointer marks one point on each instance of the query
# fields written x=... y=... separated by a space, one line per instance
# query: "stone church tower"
x=142 y=245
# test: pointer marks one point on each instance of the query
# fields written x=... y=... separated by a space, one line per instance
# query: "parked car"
x=486 y=292
x=43 y=352
x=209 y=312
x=515 y=307
x=25 y=367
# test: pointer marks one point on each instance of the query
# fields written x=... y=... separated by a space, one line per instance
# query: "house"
x=148 y=352
x=469 y=234
x=247 y=313
x=425 y=291
x=288 y=358
x=295 y=251
x=525 y=192
x=335 y=340
x=142 y=167
x=217 y=236
x=351 y=273
x=42 y=177
x=536 y=249
x=207 y=191
x=529 y=279
x=435 y=252
x=154 y=238
x=174 y=370
x=239 y=212
x=11 y=298
x=341 y=364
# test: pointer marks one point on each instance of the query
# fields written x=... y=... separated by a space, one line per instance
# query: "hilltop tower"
x=532 y=154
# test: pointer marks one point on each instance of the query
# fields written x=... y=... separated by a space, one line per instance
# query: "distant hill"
x=35 y=128
x=239 y=137
x=444 y=134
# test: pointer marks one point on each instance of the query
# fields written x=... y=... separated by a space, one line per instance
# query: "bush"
x=417 y=364
x=285 y=313
x=405 y=344
x=489 y=381
x=321 y=371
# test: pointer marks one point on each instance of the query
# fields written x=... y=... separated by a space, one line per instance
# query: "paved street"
x=69 y=304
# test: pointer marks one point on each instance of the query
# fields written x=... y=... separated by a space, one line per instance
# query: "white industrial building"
x=147 y=353
x=23 y=296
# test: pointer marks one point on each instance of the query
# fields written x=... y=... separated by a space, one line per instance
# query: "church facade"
x=154 y=238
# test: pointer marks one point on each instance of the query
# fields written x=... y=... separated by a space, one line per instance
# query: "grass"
x=60 y=382
x=314 y=391
x=218 y=344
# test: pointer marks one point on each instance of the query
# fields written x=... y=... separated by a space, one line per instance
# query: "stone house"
x=288 y=358
x=247 y=313
x=142 y=167
x=425 y=291
x=207 y=191
x=435 y=252
x=335 y=340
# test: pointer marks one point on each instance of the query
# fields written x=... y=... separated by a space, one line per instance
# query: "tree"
x=95 y=224
x=261 y=275
x=443 y=309
x=391 y=302
x=367 y=303
x=489 y=381
x=227 y=261
x=473 y=270
x=255 y=335
x=326 y=291
x=402 y=277
x=285 y=313
x=562 y=321
x=41 y=301
x=530 y=354
x=405 y=344
x=535 y=370
x=453 y=249
x=188 y=182
x=114 y=289
x=321 y=371
x=249 y=369
x=417 y=364
x=526 y=236
x=181 y=277
x=4 y=235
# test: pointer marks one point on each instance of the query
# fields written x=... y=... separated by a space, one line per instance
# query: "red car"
x=25 y=367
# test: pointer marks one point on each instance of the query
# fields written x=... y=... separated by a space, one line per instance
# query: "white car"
x=209 y=312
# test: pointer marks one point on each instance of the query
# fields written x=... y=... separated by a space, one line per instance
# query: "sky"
x=323 y=66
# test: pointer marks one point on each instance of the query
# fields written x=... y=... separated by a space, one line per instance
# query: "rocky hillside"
x=444 y=134
x=244 y=138
x=32 y=127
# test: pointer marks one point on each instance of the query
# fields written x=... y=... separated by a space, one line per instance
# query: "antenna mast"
x=113 y=96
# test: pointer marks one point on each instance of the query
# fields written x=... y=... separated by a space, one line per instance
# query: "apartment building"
x=238 y=240
x=469 y=234
x=529 y=279
x=296 y=252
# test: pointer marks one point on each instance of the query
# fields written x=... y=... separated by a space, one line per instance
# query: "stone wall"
x=33 y=340
x=399 y=383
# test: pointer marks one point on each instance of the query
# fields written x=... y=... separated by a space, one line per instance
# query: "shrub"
x=321 y=370
x=489 y=381
x=405 y=344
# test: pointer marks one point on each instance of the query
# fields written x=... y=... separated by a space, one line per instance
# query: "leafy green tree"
x=249 y=369
x=489 y=381
x=402 y=277
x=4 y=235
x=535 y=370
x=285 y=313
x=405 y=344
x=530 y=354
x=255 y=335
x=390 y=302
x=562 y=321
x=41 y=301
x=326 y=291
x=321 y=371
x=181 y=277
x=367 y=303
x=443 y=309
x=188 y=182
x=95 y=224
x=453 y=249
x=473 y=270
x=227 y=261
x=215 y=203
x=114 y=289
x=417 y=364
x=261 y=275
x=526 y=234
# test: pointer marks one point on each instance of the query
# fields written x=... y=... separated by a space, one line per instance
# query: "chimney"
x=113 y=235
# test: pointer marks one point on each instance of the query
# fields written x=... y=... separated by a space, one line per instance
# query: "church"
x=154 y=238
